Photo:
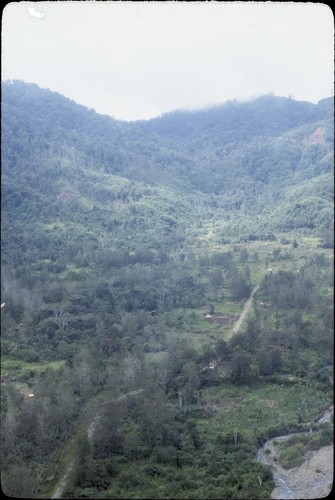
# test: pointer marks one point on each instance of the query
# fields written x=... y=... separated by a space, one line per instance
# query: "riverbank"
x=311 y=480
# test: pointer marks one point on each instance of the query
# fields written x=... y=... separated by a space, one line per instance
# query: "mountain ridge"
x=243 y=154
x=129 y=253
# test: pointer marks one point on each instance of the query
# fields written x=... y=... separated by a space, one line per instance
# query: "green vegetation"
x=293 y=450
x=129 y=252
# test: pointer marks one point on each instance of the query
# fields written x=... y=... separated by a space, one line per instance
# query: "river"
x=312 y=479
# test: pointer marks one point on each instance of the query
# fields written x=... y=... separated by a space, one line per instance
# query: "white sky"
x=136 y=60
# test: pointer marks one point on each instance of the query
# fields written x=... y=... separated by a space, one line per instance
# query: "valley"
x=168 y=290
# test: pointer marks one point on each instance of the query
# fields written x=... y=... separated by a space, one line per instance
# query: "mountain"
x=235 y=121
x=166 y=296
x=81 y=190
x=272 y=156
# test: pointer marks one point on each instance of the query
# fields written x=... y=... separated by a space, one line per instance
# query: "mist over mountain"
x=167 y=296
x=271 y=155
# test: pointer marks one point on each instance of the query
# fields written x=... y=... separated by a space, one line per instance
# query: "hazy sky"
x=136 y=60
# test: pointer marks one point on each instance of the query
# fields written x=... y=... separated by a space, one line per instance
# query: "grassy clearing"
x=23 y=370
x=257 y=409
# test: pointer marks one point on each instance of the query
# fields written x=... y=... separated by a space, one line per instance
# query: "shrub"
x=292 y=456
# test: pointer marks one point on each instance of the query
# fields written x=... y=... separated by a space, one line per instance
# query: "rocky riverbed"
x=312 y=479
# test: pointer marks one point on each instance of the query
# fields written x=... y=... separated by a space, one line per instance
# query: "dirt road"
x=243 y=315
x=58 y=493
x=90 y=431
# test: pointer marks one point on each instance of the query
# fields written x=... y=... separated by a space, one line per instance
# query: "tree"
x=107 y=437
x=239 y=284
x=216 y=278
x=244 y=255
x=269 y=360
x=188 y=383
x=84 y=470
x=240 y=369
x=18 y=482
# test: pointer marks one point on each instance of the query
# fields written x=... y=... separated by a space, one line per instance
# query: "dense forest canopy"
x=167 y=288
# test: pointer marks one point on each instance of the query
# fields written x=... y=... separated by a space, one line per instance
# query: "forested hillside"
x=129 y=253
